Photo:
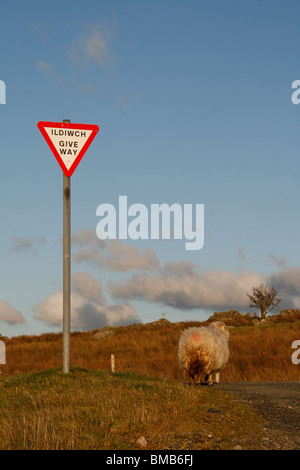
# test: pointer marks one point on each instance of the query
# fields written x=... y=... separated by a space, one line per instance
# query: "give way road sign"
x=68 y=142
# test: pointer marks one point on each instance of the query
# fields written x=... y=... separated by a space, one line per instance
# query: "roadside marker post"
x=68 y=143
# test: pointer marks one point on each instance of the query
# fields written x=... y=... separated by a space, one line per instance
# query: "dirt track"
x=279 y=404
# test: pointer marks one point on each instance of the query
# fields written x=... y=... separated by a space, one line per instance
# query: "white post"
x=2 y=353
x=112 y=360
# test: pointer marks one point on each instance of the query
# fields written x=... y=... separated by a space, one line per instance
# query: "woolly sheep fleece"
x=204 y=351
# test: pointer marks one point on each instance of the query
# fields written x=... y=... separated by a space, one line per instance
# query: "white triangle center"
x=68 y=142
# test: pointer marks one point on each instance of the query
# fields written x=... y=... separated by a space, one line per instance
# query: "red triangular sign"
x=68 y=142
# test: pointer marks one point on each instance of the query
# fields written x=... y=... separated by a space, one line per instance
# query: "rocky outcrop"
x=290 y=312
x=104 y=332
x=226 y=316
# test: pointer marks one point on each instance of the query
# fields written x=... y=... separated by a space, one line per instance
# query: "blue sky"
x=193 y=102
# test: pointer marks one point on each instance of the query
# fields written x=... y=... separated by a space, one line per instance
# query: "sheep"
x=204 y=350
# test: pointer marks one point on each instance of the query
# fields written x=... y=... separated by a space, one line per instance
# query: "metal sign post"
x=66 y=269
x=68 y=143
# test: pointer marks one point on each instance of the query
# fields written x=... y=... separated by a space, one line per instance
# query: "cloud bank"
x=180 y=286
x=88 y=308
x=287 y=284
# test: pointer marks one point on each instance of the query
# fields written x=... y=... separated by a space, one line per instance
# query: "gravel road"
x=279 y=404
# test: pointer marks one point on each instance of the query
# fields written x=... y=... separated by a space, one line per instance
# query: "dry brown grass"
x=101 y=410
x=91 y=408
x=257 y=352
x=263 y=353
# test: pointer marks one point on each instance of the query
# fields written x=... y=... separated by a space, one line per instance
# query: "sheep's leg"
x=210 y=380
x=217 y=377
x=196 y=379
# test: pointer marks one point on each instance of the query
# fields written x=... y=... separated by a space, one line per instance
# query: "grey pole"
x=66 y=270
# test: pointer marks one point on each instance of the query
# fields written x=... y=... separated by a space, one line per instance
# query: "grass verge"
x=90 y=409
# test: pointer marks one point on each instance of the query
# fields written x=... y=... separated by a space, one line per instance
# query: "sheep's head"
x=220 y=326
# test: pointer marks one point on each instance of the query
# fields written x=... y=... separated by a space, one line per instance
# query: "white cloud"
x=181 y=286
x=182 y=268
x=86 y=237
x=122 y=257
x=10 y=314
x=287 y=281
x=186 y=289
x=87 y=311
x=88 y=287
x=50 y=310
x=113 y=255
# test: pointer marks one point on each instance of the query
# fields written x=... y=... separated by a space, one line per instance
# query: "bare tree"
x=264 y=298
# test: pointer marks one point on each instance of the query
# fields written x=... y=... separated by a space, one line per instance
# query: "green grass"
x=89 y=409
